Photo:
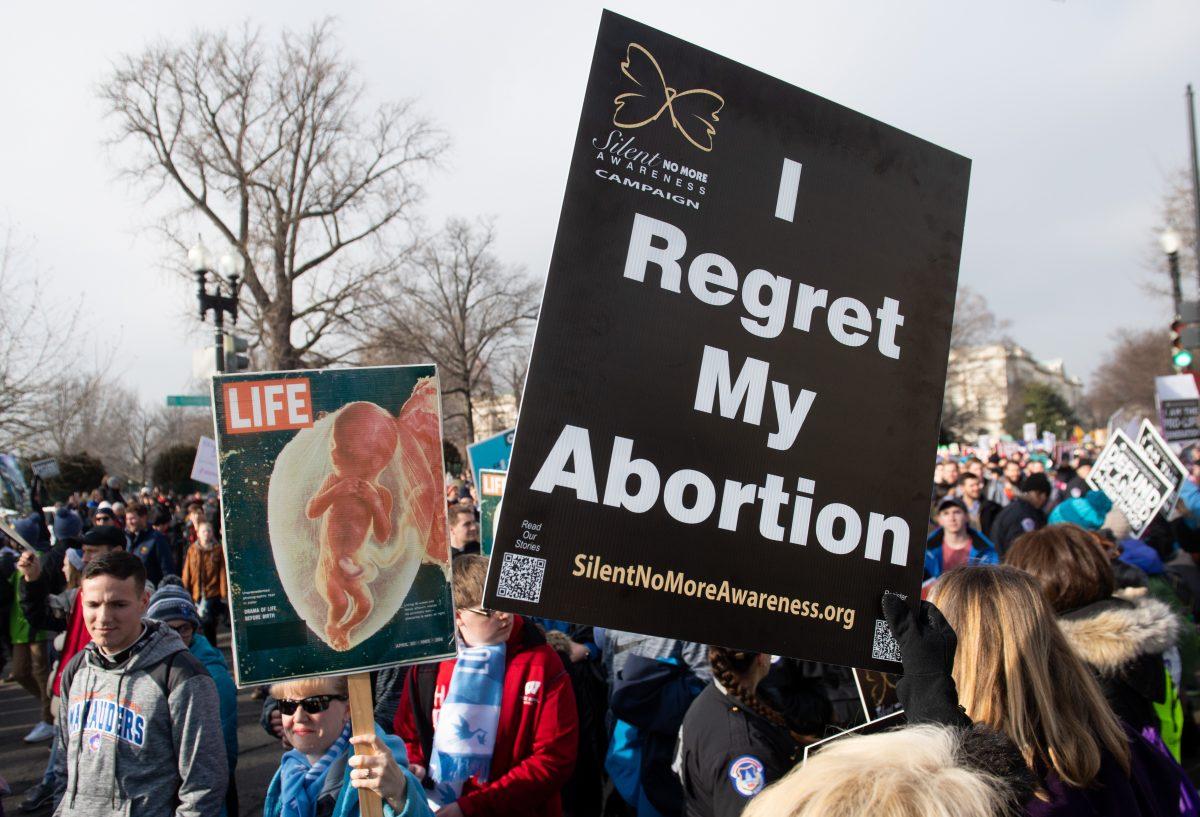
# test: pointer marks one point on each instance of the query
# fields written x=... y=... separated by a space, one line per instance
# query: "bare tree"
x=458 y=306
x=1175 y=213
x=965 y=394
x=974 y=322
x=32 y=340
x=269 y=145
x=1126 y=378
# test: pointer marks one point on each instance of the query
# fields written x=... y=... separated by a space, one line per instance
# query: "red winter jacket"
x=537 y=738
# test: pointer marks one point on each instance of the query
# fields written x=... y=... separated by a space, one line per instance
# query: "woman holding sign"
x=312 y=778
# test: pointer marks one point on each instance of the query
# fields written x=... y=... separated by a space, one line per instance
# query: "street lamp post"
x=229 y=266
x=1171 y=242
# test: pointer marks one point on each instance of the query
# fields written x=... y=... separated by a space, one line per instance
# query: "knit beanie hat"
x=1088 y=511
x=172 y=602
x=75 y=557
x=29 y=530
x=67 y=524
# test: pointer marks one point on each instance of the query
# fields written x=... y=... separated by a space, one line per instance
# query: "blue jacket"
x=983 y=552
x=214 y=662
x=155 y=552
x=1189 y=492
x=337 y=787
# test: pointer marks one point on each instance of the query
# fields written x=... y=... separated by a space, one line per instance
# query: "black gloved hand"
x=927 y=645
x=927 y=641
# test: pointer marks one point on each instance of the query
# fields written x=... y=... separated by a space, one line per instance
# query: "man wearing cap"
x=1024 y=513
x=172 y=605
x=103 y=516
x=954 y=543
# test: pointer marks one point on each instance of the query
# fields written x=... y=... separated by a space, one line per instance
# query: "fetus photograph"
x=354 y=508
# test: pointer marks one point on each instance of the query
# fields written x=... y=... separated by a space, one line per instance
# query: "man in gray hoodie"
x=139 y=727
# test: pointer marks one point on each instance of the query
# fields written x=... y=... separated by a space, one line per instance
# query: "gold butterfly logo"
x=694 y=113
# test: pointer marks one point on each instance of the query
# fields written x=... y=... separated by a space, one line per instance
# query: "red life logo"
x=267 y=405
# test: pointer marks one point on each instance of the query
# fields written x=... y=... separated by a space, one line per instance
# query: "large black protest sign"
x=1160 y=455
x=1136 y=487
x=733 y=399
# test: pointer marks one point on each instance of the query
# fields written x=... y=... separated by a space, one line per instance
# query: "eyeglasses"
x=480 y=612
x=312 y=705
x=182 y=628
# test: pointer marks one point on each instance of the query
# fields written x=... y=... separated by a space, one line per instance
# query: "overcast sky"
x=1072 y=112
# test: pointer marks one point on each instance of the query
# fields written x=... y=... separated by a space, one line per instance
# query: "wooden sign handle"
x=362 y=722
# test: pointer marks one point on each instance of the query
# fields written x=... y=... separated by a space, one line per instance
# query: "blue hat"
x=1087 y=511
x=29 y=530
x=67 y=524
x=170 y=603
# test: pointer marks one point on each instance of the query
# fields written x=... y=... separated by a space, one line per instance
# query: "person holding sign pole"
x=1016 y=672
x=313 y=776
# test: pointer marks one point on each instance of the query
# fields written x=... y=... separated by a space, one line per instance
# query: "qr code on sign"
x=884 y=647
x=521 y=577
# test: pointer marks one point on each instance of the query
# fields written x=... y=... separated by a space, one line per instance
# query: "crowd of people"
x=1050 y=668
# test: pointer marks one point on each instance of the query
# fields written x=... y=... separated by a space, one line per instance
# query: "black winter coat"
x=728 y=754
x=1019 y=517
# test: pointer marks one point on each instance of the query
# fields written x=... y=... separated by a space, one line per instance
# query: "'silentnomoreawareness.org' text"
x=637 y=575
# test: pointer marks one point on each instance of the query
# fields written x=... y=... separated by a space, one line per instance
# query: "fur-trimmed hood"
x=1110 y=634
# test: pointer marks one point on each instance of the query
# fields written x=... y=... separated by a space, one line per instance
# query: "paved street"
x=22 y=764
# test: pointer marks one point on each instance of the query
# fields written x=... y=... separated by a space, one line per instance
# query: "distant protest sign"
x=1160 y=455
x=491 y=492
x=1136 y=487
x=493 y=452
x=334 y=520
x=751 y=288
x=204 y=466
x=1178 y=403
x=45 y=469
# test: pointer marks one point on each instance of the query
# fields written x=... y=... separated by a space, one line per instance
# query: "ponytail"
x=728 y=668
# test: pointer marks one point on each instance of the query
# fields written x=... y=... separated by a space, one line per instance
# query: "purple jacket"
x=1156 y=787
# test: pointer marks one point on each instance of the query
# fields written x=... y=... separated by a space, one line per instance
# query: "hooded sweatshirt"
x=139 y=735
x=218 y=670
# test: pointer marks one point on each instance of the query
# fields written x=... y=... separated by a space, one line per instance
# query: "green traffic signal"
x=1182 y=358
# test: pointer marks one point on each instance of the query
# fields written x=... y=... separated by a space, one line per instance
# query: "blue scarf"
x=465 y=734
x=301 y=782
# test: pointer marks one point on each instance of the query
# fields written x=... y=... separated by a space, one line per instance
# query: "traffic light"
x=237 y=353
x=1185 y=335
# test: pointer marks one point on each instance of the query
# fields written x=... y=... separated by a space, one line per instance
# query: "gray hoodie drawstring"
x=116 y=743
x=83 y=713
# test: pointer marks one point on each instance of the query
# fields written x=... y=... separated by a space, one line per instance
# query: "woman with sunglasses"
x=321 y=774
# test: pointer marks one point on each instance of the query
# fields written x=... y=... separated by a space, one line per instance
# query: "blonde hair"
x=910 y=772
x=301 y=688
x=1016 y=673
x=468 y=573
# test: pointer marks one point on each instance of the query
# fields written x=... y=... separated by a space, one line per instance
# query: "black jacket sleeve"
x=35 y=604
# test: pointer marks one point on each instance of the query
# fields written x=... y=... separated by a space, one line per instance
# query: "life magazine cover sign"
x=335 y=520
x=1135 y=485
x=491 y=493
x=751 y=290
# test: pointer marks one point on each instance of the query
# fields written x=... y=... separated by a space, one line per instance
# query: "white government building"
x=982 y=381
